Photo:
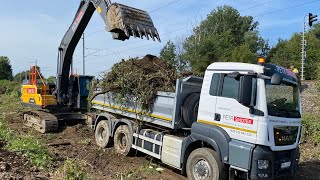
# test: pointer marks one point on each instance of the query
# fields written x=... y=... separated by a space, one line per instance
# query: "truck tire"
x=102 y=134
x=123 y=140
x=190 y=108
x=204 y=164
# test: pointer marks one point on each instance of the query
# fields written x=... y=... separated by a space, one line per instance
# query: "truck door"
x=208 y=96
x=232 y=116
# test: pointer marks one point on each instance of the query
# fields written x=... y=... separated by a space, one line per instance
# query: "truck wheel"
x=123 y=140
x=204 y=164
x=190 y=108
x=102 y=134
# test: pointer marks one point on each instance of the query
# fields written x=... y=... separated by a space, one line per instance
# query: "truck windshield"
x=283 y=100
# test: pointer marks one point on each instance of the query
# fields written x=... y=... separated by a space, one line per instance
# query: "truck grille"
x=286 y=135
x=281 y=157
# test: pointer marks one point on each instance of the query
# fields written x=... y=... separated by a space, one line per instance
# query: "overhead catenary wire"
x=279 y=10
x=152 y=11
x=166 y=5
x=188 y=27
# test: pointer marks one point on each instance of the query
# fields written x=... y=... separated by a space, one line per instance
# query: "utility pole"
x=303 y=52
x=83 y=55
x=311 y=20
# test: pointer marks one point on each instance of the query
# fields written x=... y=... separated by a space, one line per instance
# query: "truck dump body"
x=165 y=111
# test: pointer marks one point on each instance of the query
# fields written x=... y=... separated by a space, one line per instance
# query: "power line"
x=188 y=27
x=133 y=48
x=166 y=5
x=272 y=12
x=157 y=9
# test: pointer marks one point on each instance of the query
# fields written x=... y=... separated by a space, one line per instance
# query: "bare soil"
x=13 y=166
x=96 y=162
x=102 y=163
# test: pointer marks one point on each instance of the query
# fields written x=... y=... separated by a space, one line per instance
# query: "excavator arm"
x=122 y=21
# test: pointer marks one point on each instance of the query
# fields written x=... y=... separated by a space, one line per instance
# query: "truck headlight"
x=263 y=164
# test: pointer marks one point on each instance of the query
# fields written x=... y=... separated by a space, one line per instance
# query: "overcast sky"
x=33 y=29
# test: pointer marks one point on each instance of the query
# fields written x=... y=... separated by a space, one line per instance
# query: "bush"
x=71 y=170
x=8 y=87
x=311 y=128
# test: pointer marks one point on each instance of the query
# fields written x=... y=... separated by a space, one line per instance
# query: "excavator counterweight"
x=124 y=21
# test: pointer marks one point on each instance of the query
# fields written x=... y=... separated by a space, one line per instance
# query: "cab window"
x=230 y=88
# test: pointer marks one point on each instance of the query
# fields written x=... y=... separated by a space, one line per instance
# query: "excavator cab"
x=78 y=91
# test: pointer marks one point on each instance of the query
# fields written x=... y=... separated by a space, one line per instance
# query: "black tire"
x=190 y=108
x=123 y=140
x=102 y=134
x=204 y=164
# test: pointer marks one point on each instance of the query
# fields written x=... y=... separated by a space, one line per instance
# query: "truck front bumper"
x=280 y=163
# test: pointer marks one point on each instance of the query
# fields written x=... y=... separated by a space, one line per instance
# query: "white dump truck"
x=239 y=121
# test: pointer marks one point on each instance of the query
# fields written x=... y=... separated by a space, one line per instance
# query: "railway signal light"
x=312 y=18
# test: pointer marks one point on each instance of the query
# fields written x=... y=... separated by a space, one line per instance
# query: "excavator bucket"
x=124 y=21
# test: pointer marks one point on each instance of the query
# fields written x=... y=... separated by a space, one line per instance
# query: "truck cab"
x=253 y=114
x=239 y=121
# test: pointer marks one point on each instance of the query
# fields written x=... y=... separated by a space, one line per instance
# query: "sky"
x=32 y=30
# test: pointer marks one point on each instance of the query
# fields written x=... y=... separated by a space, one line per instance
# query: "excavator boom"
x=121 y=20
x=72 y=90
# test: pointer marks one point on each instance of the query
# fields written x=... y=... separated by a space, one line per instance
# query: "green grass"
x=10 y=103
x=71 y=170
x=34 y=150
x=27 y=145
x=311 y=129
x=8 y=87
x=5 y=134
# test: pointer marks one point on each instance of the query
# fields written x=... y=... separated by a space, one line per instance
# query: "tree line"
x=7 y=74
x=226 y=36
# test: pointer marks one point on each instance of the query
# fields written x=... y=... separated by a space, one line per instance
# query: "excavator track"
x=41 y=121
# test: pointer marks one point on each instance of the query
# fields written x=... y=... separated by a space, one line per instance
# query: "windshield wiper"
x=284 y=112
x=273 y=110
x=295 y=113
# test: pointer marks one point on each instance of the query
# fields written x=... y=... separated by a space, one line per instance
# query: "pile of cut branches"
x=140 y=79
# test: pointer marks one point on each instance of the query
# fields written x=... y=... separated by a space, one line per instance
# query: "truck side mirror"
x=245 y=93
x=276 y=79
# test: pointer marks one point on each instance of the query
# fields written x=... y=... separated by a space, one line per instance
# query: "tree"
x=5 y=68
x=288 y=52
x=51 y=79
x=168 y=53
x=19 y=77
x=220 y=37
x=172 y=53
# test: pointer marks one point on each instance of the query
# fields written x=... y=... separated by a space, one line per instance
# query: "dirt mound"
x=140 y=78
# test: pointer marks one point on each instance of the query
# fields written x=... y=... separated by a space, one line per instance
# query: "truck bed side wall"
x=166 y=110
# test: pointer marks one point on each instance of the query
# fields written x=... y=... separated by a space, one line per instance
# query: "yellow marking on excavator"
x=99 y=9
x=131 y=110
x=227 y=126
